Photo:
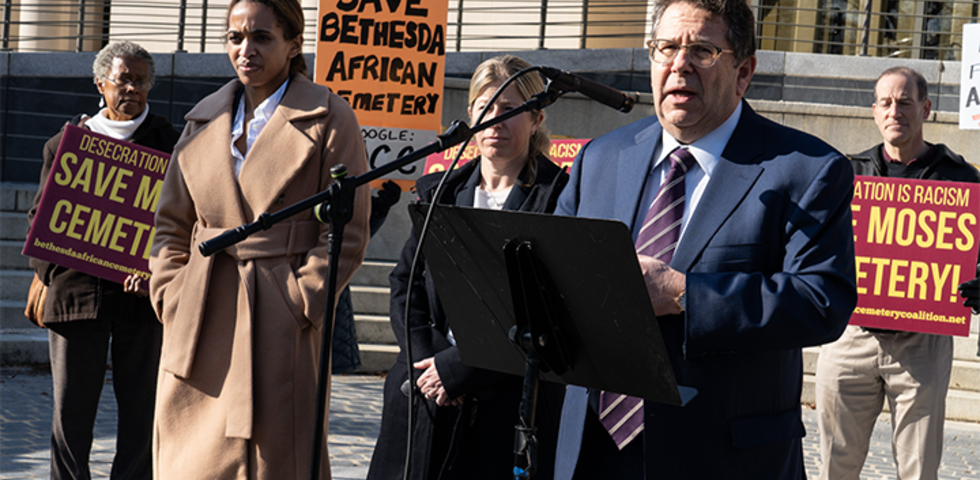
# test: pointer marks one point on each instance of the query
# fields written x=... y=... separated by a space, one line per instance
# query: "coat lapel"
x=464 y=198
x=281 y=150
x=730 y=182
x=207 y=165
x=633 y=167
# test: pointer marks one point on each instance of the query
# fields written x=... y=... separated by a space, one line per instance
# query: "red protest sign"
x=915 y=242
x=96 y=212
x=562 y=153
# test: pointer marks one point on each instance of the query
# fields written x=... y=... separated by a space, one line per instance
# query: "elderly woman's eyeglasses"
x=137 y=83
x=700 y=54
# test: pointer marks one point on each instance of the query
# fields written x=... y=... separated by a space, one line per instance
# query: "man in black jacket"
x=857 y=372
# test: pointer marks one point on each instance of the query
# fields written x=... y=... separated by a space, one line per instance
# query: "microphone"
x=603 y=94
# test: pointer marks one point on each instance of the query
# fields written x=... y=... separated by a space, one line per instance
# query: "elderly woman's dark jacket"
x=474 y=441
x=73 y=295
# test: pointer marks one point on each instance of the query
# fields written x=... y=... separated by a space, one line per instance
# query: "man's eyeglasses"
x=137 y=83
x=702 y=55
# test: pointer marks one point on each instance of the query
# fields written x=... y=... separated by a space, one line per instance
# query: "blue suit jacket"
x=769 y=258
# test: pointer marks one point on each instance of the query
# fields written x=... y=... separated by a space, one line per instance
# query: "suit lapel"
x=634 y=165
x=730 y=182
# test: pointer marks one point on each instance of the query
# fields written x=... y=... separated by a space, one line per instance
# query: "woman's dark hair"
x=289 y=16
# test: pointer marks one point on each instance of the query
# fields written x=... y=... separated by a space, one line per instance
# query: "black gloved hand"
x=971 y=291
x=389 y=194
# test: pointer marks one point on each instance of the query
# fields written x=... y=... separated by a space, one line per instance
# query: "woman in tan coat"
x=242 y=328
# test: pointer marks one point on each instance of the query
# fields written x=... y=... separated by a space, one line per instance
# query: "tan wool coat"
x=237 y=385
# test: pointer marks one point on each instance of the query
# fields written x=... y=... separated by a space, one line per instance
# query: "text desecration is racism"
x=562 y=152
x=915 y=242
x=96 y=212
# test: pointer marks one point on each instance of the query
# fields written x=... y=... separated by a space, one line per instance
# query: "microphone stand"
x=335 y=205
x=538 y=310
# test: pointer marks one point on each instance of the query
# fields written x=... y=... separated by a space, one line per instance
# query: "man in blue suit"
x=764 y=264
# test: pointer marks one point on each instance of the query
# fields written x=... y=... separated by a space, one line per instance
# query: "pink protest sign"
x=915 y=242
x=562 y=152
x=96 y=212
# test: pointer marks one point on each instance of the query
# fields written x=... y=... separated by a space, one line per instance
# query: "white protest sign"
x=970 y=78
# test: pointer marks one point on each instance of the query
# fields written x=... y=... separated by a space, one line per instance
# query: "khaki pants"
x=856 y=374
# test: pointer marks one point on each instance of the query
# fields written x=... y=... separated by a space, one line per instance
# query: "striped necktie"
x=622 y=415
x=662 y=226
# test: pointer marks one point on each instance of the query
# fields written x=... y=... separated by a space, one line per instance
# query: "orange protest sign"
x=915 y=241
x=386 y=58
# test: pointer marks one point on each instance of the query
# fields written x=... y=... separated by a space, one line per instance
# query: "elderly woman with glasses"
x=83 y=312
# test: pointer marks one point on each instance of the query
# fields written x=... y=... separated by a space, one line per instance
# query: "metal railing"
x=196 y=25
x=892 y=28
x=896 y=28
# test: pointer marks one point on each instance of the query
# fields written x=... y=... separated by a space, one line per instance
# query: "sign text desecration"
x=96 y=212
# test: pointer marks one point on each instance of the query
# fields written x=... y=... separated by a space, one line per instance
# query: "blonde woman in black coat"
x=464 y=420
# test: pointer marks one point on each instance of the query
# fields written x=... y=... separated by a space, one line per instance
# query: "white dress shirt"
x=260 y=118
x=706 y=150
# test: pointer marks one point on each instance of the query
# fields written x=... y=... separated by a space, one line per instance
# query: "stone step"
x=373 y=273
x=17 y=197
x=810 y=355
x=965 y=348
x=12 y=315
x=24 y=347
x=15 y=284
x=23 y=343
x=370 y=300
x=961 y=405
x=13 y=226
x=374 y=329
x=965 y=376
x=377 y=358
x=10 y=257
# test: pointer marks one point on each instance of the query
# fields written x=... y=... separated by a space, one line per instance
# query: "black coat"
x=475 y=440
x=73 y=295
x=940 y=164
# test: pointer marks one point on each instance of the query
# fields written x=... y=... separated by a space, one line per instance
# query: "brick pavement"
x=355 y=415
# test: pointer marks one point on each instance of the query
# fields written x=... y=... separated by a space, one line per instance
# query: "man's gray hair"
x=736 y=14
x=112 y=51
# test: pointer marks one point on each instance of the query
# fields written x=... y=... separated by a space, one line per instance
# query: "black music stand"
x=524 y=288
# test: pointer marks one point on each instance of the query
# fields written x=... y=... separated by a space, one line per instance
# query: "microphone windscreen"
x=406 y=387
